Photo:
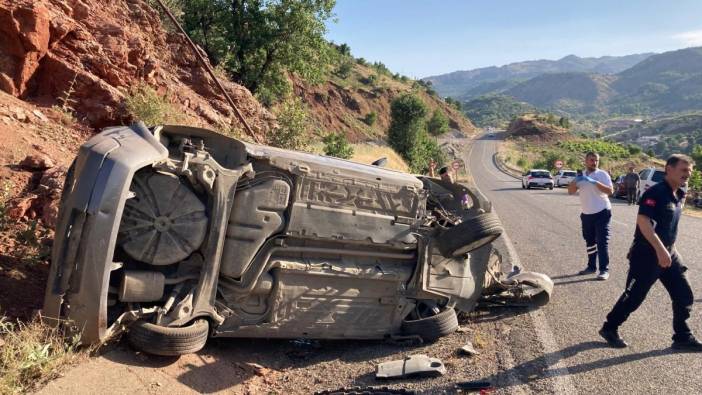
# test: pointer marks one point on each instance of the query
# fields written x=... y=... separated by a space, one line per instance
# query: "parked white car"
x=564 y=177
x=537 y=178
x=649 y=177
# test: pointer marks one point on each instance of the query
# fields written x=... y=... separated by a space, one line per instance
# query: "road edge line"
x=558 y=372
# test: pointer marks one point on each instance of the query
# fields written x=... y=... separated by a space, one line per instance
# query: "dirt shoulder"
x=242 y=366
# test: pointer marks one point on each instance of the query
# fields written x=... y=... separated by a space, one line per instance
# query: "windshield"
x=658 y=176
x=569 y=174
x=540 y=174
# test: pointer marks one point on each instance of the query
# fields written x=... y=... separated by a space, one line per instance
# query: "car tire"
x=550 y=187
x=167 y=341
x=469 y=235
x=528 y=186
x=433 y=327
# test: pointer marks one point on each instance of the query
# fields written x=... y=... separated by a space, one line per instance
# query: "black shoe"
x=690 y=344
x=612 y=338
x=587 y=271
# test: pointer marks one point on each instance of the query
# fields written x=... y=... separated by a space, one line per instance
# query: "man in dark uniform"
x=653 y=256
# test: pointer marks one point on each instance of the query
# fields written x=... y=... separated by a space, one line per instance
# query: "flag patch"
x=649 y=202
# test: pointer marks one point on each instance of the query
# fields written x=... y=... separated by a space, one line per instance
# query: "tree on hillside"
x=438 y=124
x=258 y=41
x=408 y=134
x=696 y=154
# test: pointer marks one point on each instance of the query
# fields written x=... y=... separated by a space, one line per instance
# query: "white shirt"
x=592 y=200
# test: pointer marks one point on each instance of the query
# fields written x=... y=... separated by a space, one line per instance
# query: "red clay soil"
x=98 y=50
x=341 y=109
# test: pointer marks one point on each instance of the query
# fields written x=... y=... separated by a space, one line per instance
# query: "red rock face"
x=97 y=51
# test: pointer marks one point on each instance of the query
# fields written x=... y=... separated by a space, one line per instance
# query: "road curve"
x=544 y=227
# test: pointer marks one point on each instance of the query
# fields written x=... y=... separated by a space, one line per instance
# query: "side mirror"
x=380 y=162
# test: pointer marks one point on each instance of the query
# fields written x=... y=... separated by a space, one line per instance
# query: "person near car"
x=594 y=187
x=445 y=174
x=653 y=256
x=631 y=183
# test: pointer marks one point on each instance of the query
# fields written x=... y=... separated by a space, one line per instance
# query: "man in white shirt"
x=594 y=188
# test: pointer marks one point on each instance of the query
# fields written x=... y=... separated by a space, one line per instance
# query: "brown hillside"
x=108 y=48
x=341 y=104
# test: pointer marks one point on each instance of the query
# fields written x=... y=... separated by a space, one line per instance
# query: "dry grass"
x=31 y=354
x=692 y=211
x=367 y=153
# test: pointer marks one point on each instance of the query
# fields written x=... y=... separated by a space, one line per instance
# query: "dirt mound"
x=96 y=51
x=536 y=127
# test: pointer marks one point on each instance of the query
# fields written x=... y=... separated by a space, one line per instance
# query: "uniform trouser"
x=596 y=235
x=631 y=195
x=643 y=273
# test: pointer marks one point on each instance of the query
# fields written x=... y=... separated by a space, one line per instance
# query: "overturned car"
x=175 y=234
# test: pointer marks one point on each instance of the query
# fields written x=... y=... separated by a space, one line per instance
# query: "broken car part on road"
x=177 y=233
x=411 y=366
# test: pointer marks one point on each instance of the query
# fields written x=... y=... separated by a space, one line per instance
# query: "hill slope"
x=341 y=104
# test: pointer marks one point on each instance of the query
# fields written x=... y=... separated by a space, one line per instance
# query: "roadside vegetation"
x=32 y=353
x=143 y=103
x=409 y=135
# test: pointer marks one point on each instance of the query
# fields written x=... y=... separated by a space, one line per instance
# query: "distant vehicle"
x=564 y=177
x=537 y=178
x=649 y=177
x=619 y=188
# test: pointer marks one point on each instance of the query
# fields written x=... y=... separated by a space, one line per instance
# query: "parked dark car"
x=619 y=188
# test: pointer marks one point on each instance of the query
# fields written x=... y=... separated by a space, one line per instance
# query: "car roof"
x=539 y=170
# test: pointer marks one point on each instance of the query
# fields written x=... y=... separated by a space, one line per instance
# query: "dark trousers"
x=596 y=235
x=631 y=195
x=643 y=273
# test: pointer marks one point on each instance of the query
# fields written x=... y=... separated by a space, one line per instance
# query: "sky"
x=420 y=38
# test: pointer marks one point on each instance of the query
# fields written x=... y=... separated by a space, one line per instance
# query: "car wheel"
x=550 y=187
x=469 y=235
x=528 y=186
x=162 y=340
x=432 y=327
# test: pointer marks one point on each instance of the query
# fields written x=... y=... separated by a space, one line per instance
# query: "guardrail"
x=505 y=167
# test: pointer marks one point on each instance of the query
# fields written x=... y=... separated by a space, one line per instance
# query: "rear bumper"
x=81 y=258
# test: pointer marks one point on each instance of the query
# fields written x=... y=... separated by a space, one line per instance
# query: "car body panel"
x=296 y=245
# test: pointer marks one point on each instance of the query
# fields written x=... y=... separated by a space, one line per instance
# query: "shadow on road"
x=508 y=189
x=542 y=367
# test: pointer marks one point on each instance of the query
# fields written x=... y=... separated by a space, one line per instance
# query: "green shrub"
x=336 y=144
x=408 y=135
x=695 y=181
x=604 y=148
x=144 y=104
x=521 y=162
x=634 y=149
x=438 y=124
x=292 y=126
x=345 y=68
x=370 y=118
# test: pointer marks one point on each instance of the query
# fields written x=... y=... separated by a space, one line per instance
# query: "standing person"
x=445 y=174
x=594 y=187
x=653 y=256
x=631 y=183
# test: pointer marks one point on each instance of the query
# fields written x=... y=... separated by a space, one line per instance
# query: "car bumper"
x=94 y=196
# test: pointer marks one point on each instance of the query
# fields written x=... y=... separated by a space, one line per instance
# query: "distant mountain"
x=495 y=110
x=664 y=83
x=571 y=93
x=468 y=84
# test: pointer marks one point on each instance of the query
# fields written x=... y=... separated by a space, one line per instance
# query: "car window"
x=541 y=174
x=644 y=174
x=658 y=176
x=569 y=174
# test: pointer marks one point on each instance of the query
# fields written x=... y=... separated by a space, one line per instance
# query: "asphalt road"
x=544 y=226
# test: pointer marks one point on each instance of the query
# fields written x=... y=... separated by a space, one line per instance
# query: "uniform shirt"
x=592 y=200
x=663 y=207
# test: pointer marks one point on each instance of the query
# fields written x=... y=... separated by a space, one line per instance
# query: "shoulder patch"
x=649 y=202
